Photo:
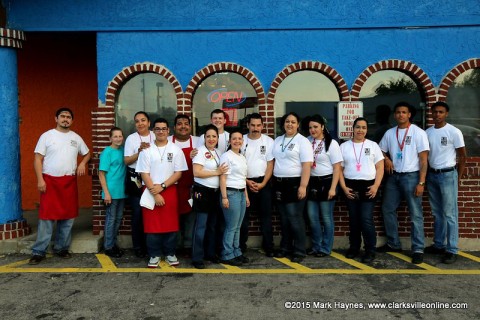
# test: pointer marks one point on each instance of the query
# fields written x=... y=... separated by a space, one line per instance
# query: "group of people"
x=197 y=193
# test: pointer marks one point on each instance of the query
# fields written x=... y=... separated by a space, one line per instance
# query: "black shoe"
x=280 y=254
x=449 y=258
x=214 y=260
x=232 y=262
x=434 y=250
x=321 y=254
x=35 y=259
x=113 y=253
x=297 y=259
x=118 y=249
x=140 y=253
x=311 y=252
x=351 y=253
x=269 y=253
x=198 y=264
x=417 y=257
x=243 y=259
x=368 y=257
x=63 y=254
x=387 y=248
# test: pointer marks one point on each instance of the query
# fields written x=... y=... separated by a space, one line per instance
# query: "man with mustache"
x=257 y=148
x=55 y=165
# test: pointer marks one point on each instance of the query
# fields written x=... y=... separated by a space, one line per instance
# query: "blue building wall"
x=263 y=36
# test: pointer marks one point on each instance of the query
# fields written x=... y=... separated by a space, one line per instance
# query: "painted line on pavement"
x=409 y=260
x=469 y=256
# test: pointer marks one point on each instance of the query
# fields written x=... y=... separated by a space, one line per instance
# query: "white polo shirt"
x=257 y=152
x=443 y=144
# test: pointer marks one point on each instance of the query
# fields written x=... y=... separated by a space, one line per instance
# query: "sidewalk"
x=83 y=240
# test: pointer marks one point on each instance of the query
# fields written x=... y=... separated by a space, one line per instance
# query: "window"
x=381 y=92
x=149 y=92
x=229 y=92
x=306 y=93
x=463 y=99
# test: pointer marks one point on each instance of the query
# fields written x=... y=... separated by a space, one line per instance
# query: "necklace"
x=158 y=150
x=283 y=146
x=149 y=138
x=316 y=151
x=359 y=166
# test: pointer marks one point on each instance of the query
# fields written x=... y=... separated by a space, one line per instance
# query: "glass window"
x=229 y=92
x=463 y=99
x=381 y=92
x=306 y=93
x=149 y=92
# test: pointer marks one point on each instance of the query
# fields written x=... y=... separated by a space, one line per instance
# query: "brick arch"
x=451 y=75
x=222 y=67
x=103 y=118
x=407 y=67
x=320 y=67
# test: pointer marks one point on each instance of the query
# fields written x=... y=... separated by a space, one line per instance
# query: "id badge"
x=399 y=155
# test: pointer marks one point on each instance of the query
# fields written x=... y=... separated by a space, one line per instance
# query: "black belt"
x=235 y=189
x=328 y=176
x=395 y=172
x=440 y=170
x=201 y=186
x=257 y=179
x=279 y=179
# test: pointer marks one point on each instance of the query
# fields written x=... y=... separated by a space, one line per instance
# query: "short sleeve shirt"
x=443 y=144
x=289 y=154
x=111 y=161
x=257 y=152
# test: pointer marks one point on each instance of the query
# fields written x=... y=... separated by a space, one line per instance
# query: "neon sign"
x=231 y=98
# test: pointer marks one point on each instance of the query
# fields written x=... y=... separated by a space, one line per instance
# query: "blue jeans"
x=185 y=235
x=138 y=236
x=322 y=233
x=233 y=221
x=402 y=186
x=261 y=202
x=63 y=236
x=113 y=219
x=360 y=215
x=204 y=236
x=443 y=194
x=161 y=244
x=293 y=227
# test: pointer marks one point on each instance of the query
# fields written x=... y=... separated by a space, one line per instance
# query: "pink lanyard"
x=359 y=166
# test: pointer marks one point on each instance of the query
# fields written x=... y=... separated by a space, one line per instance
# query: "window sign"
x=347 y=113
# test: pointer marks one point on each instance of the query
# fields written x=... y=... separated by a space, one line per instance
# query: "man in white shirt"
x=257 y=148
x=56 y=168
x=405 y=148
x=446 y=145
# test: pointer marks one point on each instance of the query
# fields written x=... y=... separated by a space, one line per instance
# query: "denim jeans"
x=261 y=202
x=233 y=221
x=360 y=215
x=398 y=186
x=293 y=227
x=138 y=236
x=204 y=235
x=113 y=219
x=185 y=235
x=322 y=233
x=443 y=194
x=161 y=244
x=63 y=236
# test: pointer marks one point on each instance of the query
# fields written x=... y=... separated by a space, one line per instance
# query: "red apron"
x=162 y=219
x=60 y=201
x=185 y=182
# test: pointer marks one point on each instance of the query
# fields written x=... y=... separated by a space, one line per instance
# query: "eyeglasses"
x=160 y=129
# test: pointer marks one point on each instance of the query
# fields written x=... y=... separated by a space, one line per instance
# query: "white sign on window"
x=348 y=111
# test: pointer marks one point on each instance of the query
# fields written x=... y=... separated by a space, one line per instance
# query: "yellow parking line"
x=106 y=263
x=408 y=259
x=352 y=262
x=297 y=266
x=469 y=256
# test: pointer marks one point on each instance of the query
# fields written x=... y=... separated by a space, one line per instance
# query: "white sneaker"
x=172 y=260
x=153 y=263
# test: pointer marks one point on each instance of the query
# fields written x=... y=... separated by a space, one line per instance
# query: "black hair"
x=218 y=111
x=411 y=109
x=63 y=109
x=142 y=112
x=115 y=129
x=440 y=104
x=284 y=118
x=360 y=119
x=160 y=120
x=181 y=116
x=327 y=136
x=254 y=115
x=209 y=127
x=230 y=137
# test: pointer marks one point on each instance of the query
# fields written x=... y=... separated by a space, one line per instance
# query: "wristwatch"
x=421 y=183
x=163 y=185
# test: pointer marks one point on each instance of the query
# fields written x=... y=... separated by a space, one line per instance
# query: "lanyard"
x=401 y=146
x=149 y=137
x=283 y=143
x=316 y=151
x=359 y=166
